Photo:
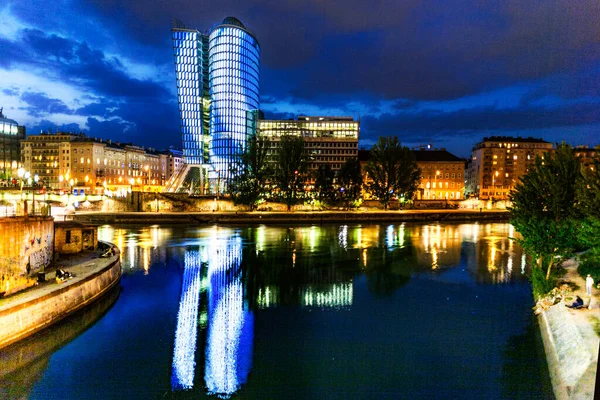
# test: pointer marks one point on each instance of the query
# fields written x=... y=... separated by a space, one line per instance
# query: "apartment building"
x=498 y=162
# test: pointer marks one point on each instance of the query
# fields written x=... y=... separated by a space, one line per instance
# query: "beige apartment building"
x=65 y=161
x=498 y=162
x=442 y=175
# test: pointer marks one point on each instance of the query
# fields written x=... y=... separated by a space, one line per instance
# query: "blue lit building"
x=218 y=93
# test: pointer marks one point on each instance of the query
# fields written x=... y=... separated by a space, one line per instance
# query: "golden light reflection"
x=364 y=257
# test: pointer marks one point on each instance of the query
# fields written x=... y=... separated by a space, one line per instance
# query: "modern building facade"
x=498 y=162
x=218 y=76
x=11 y=134
x=327 y=140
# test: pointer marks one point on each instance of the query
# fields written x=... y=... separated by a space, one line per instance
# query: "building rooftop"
x=514 y=139
x=438 y=155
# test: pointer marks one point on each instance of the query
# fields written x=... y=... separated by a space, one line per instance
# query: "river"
x=298 y=312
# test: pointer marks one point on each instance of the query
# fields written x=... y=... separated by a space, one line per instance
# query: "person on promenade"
x=589 y=282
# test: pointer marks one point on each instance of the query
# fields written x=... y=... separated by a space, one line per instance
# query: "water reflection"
x=229 y=273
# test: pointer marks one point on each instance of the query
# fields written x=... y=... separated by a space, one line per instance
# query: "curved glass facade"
x=234 y=65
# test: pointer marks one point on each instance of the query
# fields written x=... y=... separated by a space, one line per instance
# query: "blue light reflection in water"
x=186 y=332
x=230 y=324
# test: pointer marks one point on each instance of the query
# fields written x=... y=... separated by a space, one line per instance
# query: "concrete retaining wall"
x=572 y=354
x=26 y=245
x=25 y=318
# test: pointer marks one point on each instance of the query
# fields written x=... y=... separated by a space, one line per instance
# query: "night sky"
x=442 y=72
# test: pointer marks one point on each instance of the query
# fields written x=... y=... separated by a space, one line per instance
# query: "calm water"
x=305 y=312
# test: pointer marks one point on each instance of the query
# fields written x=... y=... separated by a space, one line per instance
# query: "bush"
x=590 y=264
x=539 y=284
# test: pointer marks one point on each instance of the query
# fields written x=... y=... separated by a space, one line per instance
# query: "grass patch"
x=596 y=325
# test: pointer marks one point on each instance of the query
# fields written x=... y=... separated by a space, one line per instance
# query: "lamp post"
x=494 y=175
x=36 y=178
x=437 y=172
x=21 y=174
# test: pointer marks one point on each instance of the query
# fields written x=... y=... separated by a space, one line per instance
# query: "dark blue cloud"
x=40 y=104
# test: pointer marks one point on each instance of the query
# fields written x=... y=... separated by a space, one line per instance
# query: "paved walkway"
x=80 y=265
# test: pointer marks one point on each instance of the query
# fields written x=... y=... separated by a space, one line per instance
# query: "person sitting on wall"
x=578 y=303
x=62 y=275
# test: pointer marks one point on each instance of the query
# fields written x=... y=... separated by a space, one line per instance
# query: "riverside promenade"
x=38 y=307
x=301 y=217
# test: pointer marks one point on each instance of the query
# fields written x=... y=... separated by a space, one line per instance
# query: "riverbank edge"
x=314 y=217
x=44 y=307
x=572 y=365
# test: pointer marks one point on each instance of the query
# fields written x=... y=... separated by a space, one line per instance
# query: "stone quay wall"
x=46 y=305
x=293 y=217
x=571 y=351
x=26 y=246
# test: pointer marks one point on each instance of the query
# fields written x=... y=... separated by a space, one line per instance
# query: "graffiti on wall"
x=40 y=258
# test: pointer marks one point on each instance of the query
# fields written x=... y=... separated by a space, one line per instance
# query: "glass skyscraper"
x=218 y=93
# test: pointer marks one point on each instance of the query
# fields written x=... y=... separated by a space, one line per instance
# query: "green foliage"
x=291 y=167
x=590 y=264
x=250 y=174
x=588 y=197
x=393 y=171
x=350 y=180
x=595 y=324
x=324 y=190
x=543 y=208
x=540 y=285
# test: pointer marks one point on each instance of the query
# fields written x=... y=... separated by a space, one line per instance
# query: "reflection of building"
x=499 y=161
x=437 y=246
x=230 y=323
x=11 y=134
x=327 y=140
x=218 y=94
x=441 y=175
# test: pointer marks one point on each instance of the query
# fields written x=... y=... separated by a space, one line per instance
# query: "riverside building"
x=498 y=162
x=218 y=94
x=442 y=175
x=67 y=161
x=327 y=140
x=11 y=134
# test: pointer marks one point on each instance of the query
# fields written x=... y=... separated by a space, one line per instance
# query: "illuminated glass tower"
x=218 y=94
x=233 y=65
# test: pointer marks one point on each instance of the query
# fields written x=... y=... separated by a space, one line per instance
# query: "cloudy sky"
x=444 y=72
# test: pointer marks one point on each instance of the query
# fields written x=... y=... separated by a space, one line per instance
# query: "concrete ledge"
x=45 y=306
x=571 y=359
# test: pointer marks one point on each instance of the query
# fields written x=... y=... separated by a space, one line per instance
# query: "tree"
x=291 y=166
x=324 y=183
x=350 y=181
x=250 y=174
x=588 y=202
x=543 y=208
x=393 y=171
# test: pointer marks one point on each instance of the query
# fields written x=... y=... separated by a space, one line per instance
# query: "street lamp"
x=36 y=178
x=435 y=183
x=494 y=176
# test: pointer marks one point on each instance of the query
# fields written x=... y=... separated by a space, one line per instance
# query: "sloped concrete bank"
x=292 y=217
x=40 y=307
x=571 y=351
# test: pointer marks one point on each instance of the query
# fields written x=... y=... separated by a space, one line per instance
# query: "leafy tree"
x=350 y=181
x=393 y=171
x=588 y=202
x=291 y=166
x=324 y=183
x=543 y=208
x=250 y=174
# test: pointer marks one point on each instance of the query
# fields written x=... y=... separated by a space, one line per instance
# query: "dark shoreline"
x=314 y=217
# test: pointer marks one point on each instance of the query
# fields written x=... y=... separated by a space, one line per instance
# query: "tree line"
x=556 y=209
x=391 y=174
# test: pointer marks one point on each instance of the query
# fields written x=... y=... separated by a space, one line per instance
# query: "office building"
x=218 y=94
x=11 y=134
x=327 y=140
x=499 y=161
